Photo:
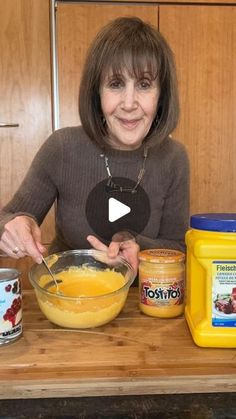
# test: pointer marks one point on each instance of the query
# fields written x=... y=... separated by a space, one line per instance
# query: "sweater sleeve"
x=38 y=190
x=175 y=214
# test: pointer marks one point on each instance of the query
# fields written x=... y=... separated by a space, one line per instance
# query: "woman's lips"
x=129 y=123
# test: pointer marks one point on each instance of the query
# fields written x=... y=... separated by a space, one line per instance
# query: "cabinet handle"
x=8 y=125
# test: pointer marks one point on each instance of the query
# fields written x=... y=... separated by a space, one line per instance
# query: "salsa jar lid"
x=221 y=222
x=161 y=256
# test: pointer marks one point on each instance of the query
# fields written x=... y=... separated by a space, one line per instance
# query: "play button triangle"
x=116 y=209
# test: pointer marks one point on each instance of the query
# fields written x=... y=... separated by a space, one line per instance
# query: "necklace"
x=111 y=186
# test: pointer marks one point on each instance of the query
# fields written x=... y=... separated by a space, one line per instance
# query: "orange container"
x=161 y=282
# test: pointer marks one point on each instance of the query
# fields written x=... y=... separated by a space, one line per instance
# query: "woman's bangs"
x=135 y=63
x=142 y=63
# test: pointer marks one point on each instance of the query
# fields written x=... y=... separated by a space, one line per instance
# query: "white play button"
x=116 y=209
x=109 y=212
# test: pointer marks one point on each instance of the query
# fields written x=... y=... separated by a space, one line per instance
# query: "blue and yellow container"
x=210 y=308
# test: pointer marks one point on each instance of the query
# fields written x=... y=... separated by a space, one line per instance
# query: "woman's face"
x=129 y=107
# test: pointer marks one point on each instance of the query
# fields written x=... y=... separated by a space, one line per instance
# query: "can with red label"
x=10 y=305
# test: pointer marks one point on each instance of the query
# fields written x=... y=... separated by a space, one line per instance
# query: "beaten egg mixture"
x=98 y=308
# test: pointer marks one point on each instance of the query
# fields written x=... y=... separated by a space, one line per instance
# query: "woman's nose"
x=129 y=100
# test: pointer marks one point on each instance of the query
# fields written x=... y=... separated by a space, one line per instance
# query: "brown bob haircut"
x=131 y=44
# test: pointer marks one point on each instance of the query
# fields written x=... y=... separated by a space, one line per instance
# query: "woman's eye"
x=144 y=84
x=115 y=84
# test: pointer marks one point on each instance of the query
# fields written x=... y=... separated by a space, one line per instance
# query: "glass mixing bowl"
x=81 y=311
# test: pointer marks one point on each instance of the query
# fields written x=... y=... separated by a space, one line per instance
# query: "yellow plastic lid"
x=161 y=256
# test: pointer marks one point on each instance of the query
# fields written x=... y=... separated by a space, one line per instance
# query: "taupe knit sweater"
x=69 y=165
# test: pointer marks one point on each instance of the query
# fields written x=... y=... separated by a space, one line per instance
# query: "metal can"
x=161 y=282
x=10 y=305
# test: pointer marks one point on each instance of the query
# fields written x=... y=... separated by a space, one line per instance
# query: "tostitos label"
x=162 y=293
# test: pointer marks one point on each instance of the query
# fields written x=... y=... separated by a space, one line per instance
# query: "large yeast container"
x=211 y=280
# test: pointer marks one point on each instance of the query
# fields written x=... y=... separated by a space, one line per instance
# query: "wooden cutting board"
x=134 y=354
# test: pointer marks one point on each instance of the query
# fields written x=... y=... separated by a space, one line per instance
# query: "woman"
x=128 y=107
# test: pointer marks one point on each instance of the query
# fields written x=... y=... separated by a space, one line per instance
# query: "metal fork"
x=53 y=277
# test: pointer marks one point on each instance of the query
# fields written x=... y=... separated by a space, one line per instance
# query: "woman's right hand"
x=22 y=237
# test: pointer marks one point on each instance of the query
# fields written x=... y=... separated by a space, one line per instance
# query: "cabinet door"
x=77 y=25
x=25 y=92
x=204 y=41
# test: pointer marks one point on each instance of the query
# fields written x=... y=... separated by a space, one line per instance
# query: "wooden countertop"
x=134 y=354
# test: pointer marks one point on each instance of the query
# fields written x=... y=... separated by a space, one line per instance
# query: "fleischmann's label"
x=160 y=293
x=224 y=293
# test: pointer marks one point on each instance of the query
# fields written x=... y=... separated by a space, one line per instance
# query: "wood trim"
x=162 y=2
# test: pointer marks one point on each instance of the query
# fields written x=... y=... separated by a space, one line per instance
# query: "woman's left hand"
x=122 y=244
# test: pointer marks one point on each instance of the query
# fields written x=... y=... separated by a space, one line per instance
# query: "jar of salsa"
x=161 y=282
